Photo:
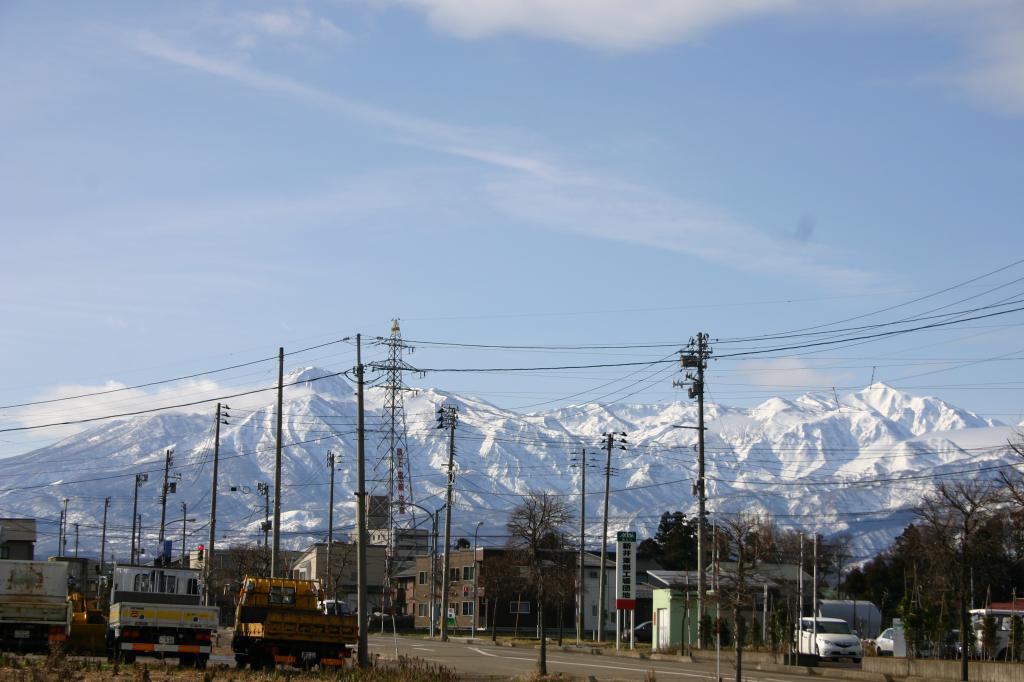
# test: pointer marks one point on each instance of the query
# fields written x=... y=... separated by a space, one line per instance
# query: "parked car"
x=884 y=643
x=641 y=632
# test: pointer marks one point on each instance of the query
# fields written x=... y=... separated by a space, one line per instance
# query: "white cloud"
x=781 y=373
x=614 y=24
x=991 y=31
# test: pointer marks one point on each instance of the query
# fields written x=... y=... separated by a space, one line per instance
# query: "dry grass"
x=58 y=668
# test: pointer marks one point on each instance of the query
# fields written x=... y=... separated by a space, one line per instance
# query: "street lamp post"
x=433 y=555
x=476 y=570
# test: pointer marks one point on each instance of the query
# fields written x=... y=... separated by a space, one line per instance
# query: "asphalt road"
x=483 y=659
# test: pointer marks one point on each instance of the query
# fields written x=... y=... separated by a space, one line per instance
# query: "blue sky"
x=190 y=185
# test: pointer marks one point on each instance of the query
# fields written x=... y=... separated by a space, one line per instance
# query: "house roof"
x=688 y=579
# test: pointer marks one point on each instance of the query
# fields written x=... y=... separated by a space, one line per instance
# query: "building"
x=504 y=599
x=18 y=539
x=312 y=565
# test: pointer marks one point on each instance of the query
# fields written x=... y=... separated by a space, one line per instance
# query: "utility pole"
x=448 y=417
x=364 y=621
x=433 y=571
x=221 y=418
x=264 y=489
x=610 y=442
x=694 y=360
x=580 y=601
x=103 y=542
x=184 y=527
x=64 y=530
x=76 y=540
x=276 y=551
x=330 y=521
x=136 y=546
x=168 y=458
x=814 y=596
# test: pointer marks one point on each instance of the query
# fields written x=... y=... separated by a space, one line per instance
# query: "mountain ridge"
x=810 y=462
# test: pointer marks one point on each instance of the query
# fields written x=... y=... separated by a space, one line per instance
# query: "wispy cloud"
x=536 y=188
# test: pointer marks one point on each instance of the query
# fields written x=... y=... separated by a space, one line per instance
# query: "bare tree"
x=955 y=513
x=537 y=534
x=499 y=580
x=747 y=539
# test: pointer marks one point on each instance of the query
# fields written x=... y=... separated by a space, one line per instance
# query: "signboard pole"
x=618 y=629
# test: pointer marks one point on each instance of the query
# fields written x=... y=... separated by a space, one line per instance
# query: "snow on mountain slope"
x=857 y=466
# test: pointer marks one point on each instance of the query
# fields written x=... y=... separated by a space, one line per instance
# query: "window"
x=193 y=586
x=421 y=610
x=467 y=572
x=168 y=583
x=453 y=574
x=519 y=607
x=141 y=583
x=5 y=552
x=467 y=608
x=422 y=578
x=593 y=574
x=281 y=595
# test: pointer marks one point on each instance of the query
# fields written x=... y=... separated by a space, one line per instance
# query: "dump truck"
x=156 y=611
x=34 y=607
x=281 y=621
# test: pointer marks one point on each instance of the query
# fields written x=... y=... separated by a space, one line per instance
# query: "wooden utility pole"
x=448 y=418
x=208 y=555
x=275 y=553
x=363 y=654
x=330 y=523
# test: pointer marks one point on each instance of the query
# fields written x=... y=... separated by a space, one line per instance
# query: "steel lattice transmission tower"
x=393 y=463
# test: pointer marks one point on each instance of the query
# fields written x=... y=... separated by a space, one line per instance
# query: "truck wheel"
x=240 y=661
x=201 y=661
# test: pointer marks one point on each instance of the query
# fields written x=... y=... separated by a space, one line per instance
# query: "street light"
x=433 y=557
x=476 y=600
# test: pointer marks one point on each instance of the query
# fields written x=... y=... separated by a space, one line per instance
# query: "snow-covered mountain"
x=856 y=466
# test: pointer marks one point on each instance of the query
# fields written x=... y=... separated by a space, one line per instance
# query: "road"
x=484 y=659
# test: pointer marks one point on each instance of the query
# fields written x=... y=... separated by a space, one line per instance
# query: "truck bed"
x=302 y=627
x=137 y=614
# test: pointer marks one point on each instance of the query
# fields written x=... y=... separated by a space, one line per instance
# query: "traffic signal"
x=202 y=549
